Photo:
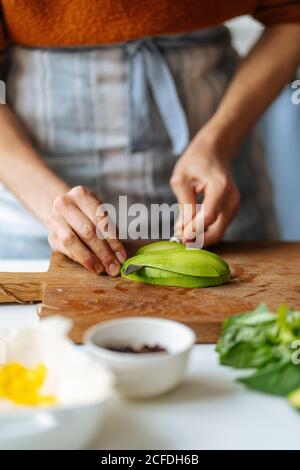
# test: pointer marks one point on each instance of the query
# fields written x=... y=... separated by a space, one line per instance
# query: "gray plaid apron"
x=115 y=118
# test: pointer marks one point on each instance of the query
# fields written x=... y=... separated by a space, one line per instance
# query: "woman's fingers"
x=64 y=240
x=216 y=194
x=74 y=232
x=220 y=199
x=85 y=231
x=193 y=232
x=215 y=232
x=204 y=169
x=186 y=198
x=90 y=205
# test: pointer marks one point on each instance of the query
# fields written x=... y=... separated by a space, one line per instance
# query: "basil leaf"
x=263 y=341
x=279 y=379
x=245 y=355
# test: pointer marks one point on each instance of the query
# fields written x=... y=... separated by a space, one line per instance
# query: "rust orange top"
x=58 y=23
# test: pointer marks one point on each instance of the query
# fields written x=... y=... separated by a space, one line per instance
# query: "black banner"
x=152 y=459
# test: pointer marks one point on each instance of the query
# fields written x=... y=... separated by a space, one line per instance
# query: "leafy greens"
x=264 y=341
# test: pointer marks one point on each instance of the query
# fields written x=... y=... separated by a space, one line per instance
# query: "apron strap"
x=149 y=72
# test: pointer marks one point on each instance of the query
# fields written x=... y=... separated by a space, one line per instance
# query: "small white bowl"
x=143 y=375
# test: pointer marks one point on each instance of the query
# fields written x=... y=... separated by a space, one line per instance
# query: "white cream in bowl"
x=82 y=386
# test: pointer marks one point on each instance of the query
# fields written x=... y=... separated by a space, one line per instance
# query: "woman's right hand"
x=73 y=226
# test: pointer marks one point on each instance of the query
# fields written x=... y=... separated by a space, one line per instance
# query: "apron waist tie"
x=149 y=73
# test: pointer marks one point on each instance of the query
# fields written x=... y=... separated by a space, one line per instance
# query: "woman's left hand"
x=204 y=168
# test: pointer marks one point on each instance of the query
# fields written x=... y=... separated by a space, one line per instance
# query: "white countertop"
x=209 y=411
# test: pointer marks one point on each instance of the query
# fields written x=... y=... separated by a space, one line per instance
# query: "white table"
x=209 y=411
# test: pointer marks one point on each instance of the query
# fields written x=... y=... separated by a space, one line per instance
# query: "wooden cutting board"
x=261 y=272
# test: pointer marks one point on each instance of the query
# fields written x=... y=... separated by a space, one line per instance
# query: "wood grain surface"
x=261 y=272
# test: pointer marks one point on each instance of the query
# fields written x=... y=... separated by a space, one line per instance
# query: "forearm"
x=259 y=78
x=23 y=171
x=69 y=214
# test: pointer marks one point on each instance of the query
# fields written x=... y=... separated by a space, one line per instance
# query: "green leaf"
x=247 y=333
x=285 y=332
x=246 y=355
x=260 y=315
x=278 y=379
x=263 y=341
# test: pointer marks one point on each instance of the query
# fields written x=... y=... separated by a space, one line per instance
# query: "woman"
x=107 y=98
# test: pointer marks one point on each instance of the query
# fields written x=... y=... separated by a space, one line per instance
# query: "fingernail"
x=113 y=269
x=121 y=256
x=189 y=240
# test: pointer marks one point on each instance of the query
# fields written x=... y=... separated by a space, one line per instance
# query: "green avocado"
x=172 y=264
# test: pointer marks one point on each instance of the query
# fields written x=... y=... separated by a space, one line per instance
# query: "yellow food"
x=22 y=385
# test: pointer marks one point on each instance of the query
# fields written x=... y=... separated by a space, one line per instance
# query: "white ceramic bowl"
x=143 y=375
x=58 y=428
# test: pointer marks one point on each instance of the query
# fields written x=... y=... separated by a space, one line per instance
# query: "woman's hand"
x=73 y=226
x=74 y=216
x=204 y=166
x=204 y=169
